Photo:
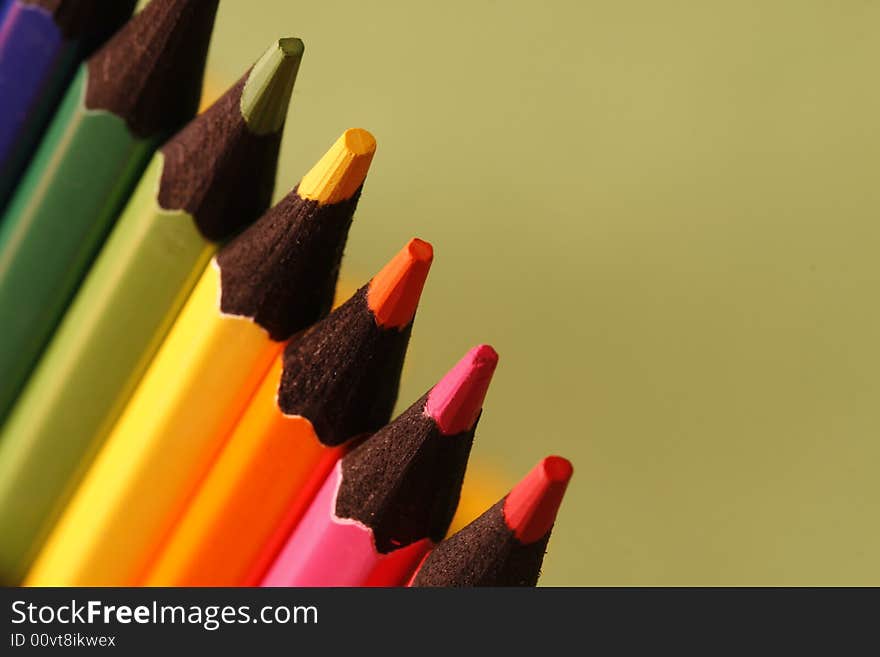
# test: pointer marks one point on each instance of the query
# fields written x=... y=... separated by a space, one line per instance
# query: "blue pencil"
x=41 y=44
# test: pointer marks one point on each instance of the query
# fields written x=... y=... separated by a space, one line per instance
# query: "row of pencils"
x=179 y=404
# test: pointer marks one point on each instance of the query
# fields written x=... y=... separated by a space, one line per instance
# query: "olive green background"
x=664 y=215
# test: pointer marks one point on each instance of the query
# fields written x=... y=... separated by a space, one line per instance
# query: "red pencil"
x=505 y=546
x=398 y=488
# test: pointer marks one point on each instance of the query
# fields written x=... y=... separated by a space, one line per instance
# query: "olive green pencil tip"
x=266 y=93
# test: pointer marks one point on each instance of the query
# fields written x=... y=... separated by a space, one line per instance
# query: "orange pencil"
x=337 y=381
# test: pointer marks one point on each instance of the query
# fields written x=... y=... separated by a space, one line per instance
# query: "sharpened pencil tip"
x=266 y=94
x=531 y=507
x=455 y=401
x=394 y=292
x=359 y=141
x=291 y=46
x=342 y=170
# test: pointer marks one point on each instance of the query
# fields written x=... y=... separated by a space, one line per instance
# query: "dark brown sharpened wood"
x=221 y=167
x=150 y=72
x=505 y=546
x=343 y=373
x=404 y=481
x=485 y=553
x=282 y=271
x=218 y=171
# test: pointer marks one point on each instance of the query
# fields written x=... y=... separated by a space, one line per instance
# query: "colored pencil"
x=398 y=487
x=41 y=44
x=266 y=470
x=505 y=546
x=275 y=279
x=210 y=180
x=130 y=95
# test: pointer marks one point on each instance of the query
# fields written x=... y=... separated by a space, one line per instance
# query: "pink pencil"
x=389 y=500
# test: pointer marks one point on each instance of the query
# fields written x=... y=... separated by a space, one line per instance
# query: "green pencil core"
x=266 y=94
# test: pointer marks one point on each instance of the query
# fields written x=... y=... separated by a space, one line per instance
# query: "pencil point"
x=455 y=402
x=394 y=292
x=342 y=170
x=530 y=508
x=149 y=73
x=266 y=94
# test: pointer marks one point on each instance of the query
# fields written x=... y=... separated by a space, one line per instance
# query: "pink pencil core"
x=530 y=508
x=455 y=402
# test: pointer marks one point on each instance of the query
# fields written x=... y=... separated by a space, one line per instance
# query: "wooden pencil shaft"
x=125 y=306
x=128 y=97
x=219 y=175
x=112 y=547
x=83 y=172
x=40 y=48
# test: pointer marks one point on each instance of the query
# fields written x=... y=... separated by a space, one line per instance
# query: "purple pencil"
x=41 y=43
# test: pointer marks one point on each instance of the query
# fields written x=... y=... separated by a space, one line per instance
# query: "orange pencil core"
x=394 y=292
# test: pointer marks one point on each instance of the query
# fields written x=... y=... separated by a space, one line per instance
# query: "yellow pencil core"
x=342 y=170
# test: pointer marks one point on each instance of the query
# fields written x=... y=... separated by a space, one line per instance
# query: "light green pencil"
x=202 y=186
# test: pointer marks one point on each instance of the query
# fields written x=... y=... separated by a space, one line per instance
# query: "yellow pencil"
x=275 y=279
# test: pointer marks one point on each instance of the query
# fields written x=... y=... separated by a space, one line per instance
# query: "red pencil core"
x=531 y=507
x=455 y=402
x=394 y=292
